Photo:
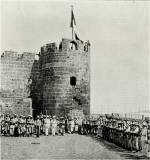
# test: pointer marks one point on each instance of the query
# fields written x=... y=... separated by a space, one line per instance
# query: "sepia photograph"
x=74 y=79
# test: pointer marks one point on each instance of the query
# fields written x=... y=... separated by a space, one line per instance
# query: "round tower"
x=65 y=72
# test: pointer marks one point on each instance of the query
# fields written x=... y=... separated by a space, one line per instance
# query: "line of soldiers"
x=133 y=135
x=129 y=134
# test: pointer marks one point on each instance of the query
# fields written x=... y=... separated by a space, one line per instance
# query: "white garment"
x=72 y=125
x=143 y=141
x=47 y=122
x=46 y=125
x=15 y=120
x=136 y=130
x=46 y=131
x=12 y=127
x=54 y=126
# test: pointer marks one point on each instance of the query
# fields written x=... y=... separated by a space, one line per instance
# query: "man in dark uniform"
x=66 y=124
x=62 y=126
x=38 y=125
x=7 y=124
x=12 y=126
x=16 y=132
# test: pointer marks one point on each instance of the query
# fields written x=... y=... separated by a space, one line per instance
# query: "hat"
x=61 y=117
x=41 y=116
x=144 y=123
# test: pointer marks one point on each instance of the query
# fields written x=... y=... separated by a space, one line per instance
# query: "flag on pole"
x=77 y=38
x=73 y=21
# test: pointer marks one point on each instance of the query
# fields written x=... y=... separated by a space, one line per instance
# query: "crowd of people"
x=133 y=135
x=130 y=134
x=13 y=125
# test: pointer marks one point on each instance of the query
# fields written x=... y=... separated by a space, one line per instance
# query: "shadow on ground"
x=123 y=153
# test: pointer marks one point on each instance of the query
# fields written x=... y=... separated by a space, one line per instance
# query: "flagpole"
x=72 y=32
x=72 y=25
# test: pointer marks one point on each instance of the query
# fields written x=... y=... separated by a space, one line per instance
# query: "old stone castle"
x=55 y=83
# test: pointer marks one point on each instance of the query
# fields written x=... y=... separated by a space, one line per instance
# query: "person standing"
x=84 y=131
x=41 y=117
x=66 y=125
x=127 y=133
x=50 y=127
x=32 y=124
x=72 y=125
x=135 y=133
x=46 y=125
x=63 y=127
x=144 y=138
x=7 y=124
x=28 y=126
x=20 y=125
x=54 y=125
x=12 y=126
x=1 y=123
x=76 y=125
x=16 y=131
x=148 y=143
x=79 y=125
x=38 y=125
x=23 y=128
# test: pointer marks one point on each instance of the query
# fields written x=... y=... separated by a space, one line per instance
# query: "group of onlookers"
x=130 y=134
x=13 y=125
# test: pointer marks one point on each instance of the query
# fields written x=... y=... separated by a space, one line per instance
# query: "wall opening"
x=77 y=100
x=73 y=81
x=73 y=45
x=86 y=47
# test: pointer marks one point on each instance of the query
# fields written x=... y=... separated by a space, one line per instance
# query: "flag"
x=73 y=21
x=77 y=38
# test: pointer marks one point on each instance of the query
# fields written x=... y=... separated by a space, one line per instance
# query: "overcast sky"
x=117 y=30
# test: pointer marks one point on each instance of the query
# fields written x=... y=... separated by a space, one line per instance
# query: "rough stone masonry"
x=15 y=82
x=56 y=83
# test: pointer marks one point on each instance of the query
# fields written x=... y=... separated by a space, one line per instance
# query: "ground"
x=62 y=147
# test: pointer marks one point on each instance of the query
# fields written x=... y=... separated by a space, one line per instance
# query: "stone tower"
x=65 y=77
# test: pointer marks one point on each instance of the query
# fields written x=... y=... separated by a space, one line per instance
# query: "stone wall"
x=15 y=82
x=55 y=84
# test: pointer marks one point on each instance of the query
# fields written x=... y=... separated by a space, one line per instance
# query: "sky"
x=119 y=35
